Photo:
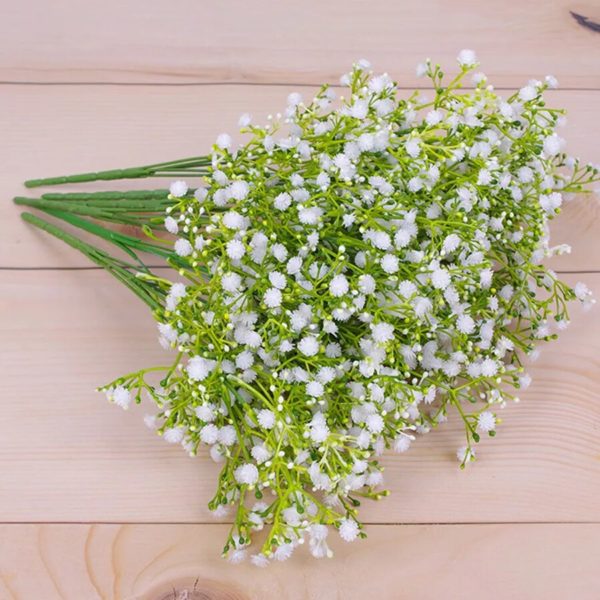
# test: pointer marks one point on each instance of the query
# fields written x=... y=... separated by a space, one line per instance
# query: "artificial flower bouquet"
x=355 y=273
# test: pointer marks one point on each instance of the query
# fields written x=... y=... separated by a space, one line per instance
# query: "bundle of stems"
x=106 y=214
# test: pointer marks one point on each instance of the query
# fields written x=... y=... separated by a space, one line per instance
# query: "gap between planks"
x=159 y=267
x=501 y=88
x=367 y=525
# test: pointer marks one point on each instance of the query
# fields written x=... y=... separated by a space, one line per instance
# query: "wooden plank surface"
x=234 y=40
x=59 y=130
x=159 y=562
x=68 y=455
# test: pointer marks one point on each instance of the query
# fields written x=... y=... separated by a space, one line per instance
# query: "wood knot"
x=201 y=589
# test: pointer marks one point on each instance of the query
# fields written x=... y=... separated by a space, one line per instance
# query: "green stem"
x=81 y=208
x=131 y=173
x=129 y=212
x=125 y=242
x=111 y=195
x=121 y=270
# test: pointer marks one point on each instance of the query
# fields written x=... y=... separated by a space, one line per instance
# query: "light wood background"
x=92 y=505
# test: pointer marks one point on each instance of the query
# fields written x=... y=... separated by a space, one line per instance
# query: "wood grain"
x=311 y=41
x=60 y=130
x=160 y=562
x=70 y=456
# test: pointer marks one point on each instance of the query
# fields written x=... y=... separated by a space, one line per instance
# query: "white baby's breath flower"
x=367 y=284
x=338 y=286
x=413 y=147
x=582 y=291
x=120 y=396
x=527 y=93
x=173 y=435
x=273 y=297
x=219 y=512
x=235 y=249
x=231 y=282
x=259 y=560
x=309 y=345
x=294 y=99
x=260 y=454
x=209 y=434
x=402 y=443
x=433 y=117
x=467 y=58
x=382 y=332
x=348 y=530
x=246 y=474
x=205 y=412
x=238 y=190
x=278 y=280
x=553 y=144
x=282 y=201
x=223 y=141
x=178 y=189
x=309 y=216
x=171 y=225
x=227 y=435
x=375 y=423
x=266 y=418
x=245 y=120
x=315 y=389
x=486 y=421
x=199 y=368
x=451 y=243
x=294 y=265
x=465 y=324
x=183 y=247
x=489 y=367
x=465 y=455
x=440 y=279
x=389 y=263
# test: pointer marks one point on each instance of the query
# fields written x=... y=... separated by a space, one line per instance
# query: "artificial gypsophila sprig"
x=353 y=274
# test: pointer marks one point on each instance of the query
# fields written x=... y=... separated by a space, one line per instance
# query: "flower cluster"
x=356 y=271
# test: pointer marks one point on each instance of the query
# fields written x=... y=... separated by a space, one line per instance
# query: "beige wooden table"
x=91 y=504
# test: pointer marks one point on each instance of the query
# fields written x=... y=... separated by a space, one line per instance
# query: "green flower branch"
x=356 y=273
